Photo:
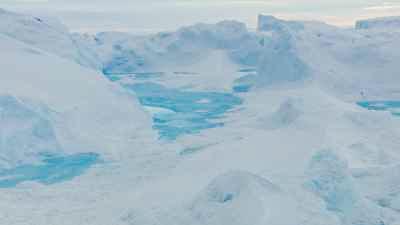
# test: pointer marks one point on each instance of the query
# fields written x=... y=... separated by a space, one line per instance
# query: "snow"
x=379 y=23
x=24 y=132
x=330 y=179
x=288 y=124
x=61 y=106
x=47 y=34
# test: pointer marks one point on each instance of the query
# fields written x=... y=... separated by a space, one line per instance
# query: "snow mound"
x=240 y=198
x=288 y=113
x=380 y=185
x=47 y=34
x=379 y=23
x=24 y=133
x=88 y=113
x=330 y=179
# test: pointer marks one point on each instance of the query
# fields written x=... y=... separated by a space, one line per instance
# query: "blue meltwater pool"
x=391 y=106
x=183 y=112
x=53 y=169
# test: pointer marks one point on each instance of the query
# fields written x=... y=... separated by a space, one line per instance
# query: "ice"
x=239 y=198
x=391 y=106
x=241 y=116
x=330 y=178
x=288 y=112
x=25 y=132
x=188 y=112
x=53 y=169
x=63 y=108
x=379 y=23
x=245 y=83
x=48 y=34
x=270 y=23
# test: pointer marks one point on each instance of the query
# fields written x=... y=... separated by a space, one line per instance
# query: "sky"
x=147 y=16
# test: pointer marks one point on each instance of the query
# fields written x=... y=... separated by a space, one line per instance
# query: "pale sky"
x=157 y=15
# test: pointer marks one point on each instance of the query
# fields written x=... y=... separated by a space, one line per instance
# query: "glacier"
x=295 y=122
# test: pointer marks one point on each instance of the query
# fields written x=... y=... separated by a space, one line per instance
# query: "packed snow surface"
x=284 y=125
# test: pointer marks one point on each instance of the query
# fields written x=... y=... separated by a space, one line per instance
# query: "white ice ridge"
x=379 y=23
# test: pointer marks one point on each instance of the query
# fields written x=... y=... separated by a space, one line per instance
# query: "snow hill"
x=50 y=105
x=47 y=34
x=296 y=148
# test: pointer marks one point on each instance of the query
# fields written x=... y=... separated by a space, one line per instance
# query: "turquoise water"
x=53 y=169
x=245 y=83
x=242 y=88
x=190 y=111
x=138 y=76
x=392 y=106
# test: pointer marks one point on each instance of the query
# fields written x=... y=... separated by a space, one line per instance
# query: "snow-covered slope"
x=50 y=104
x=47 y=34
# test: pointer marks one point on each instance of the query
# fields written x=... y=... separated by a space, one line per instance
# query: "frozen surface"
x=391 y=106
x=25 y=132
x=189 y=112
x=51 y=170
x=246 y=115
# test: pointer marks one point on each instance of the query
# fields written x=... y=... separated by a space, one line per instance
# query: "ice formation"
x=246 y=114
x=379 y=23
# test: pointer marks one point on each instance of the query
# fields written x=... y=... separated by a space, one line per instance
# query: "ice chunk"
x=330 y=179
x=49 y=35
x=25 y=134
x=379 y=23
x=241 y=198
x=270 y=23
x=281 y=61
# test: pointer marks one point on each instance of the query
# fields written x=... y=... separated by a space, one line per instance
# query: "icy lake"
x=391 y=106
x=53 y=169
x=178 y=112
